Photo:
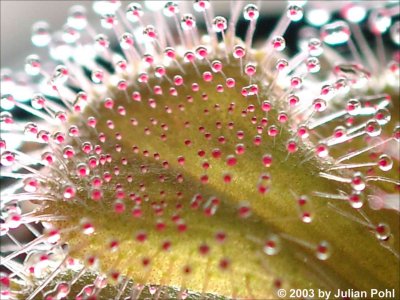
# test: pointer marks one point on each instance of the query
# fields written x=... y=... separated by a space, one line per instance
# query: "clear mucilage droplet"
x=294 y=12
x=354 y=13
x=7 y=158
x=32 y=65
x=38 y=101
x=70 y=35
x=332 y=34
x=315 y=47
x=279 y=43
x=77 y=17
x=101 y=42
x=250 y=12
x=358 y=182
x=395 y=32
x=323 y=250
x=272 y=245
x=108 y=21
x=313 y=64
x=134 y=12
x=201 y=5
x=335 y=33
x=220 y=24
x=379 y=21
x=59 y=49
x=372 y=128
x=40 y=34
x=382 y=231
x=356 y=199
x=383 y=116
x=318 y=16
x=106 y=7
x=170 y=9
x=126 y=40
x=188 y=22
x=385 y=163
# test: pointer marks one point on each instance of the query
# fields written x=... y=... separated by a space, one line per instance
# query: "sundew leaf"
x=201 y=166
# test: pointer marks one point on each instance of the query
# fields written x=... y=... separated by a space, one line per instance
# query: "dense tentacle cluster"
x=172 y=163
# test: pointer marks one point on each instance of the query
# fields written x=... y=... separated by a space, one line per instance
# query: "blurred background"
x=17 y=18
